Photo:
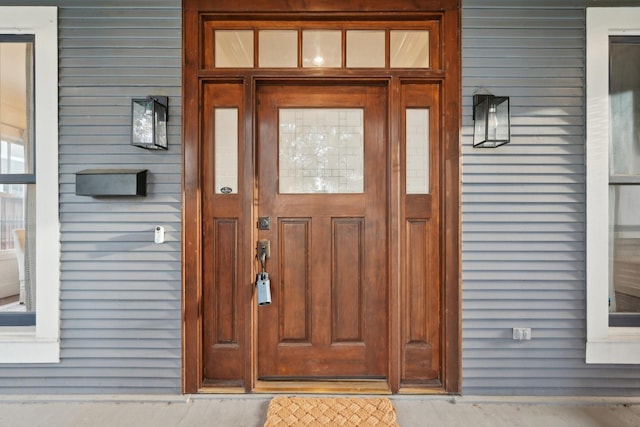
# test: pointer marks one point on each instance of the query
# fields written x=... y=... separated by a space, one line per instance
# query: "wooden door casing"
x=417 y=345
x=329 y=251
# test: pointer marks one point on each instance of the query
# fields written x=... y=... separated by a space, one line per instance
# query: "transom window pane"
x=409 y=49
x=321 y=150
x=322 y=48
x=234 y=48
x=365 y=49
x=278 y=48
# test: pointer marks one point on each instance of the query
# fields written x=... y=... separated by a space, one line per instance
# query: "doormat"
x=330 y=411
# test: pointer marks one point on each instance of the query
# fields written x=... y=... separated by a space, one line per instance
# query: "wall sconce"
x=492 y=127
x=149 y=122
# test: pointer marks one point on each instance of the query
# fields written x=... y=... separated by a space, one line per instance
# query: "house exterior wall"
x=523 y=242
x=120 y=292
x=523 y=205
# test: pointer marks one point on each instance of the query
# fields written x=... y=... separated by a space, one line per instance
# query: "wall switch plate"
x=522 y=334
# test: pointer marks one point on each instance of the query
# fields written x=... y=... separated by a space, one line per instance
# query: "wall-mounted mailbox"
x=111 y=182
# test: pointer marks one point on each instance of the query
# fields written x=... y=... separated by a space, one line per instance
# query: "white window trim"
x=40 y=344
x=604 y=344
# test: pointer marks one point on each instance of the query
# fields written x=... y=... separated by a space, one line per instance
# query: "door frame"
x=449 y=77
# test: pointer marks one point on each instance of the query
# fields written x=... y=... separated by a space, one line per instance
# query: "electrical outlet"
x=522 y=334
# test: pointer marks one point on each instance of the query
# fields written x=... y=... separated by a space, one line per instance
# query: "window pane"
x=234 y=49
x=226 y=150
x=365 y=49
x=624 y=237
x=321 y=48
x=624 y=94
x=17 y=200
x=16 y=105
x=278 y=48
x=417 y=142
x=321 y=150
x=409 y=49
x=17 y=249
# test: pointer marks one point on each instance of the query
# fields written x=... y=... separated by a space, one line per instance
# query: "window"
x=613 y=185
x=17 y=180
x=29 y=224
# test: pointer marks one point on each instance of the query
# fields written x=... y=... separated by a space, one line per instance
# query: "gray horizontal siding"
x=121 y=293
x=523 y=206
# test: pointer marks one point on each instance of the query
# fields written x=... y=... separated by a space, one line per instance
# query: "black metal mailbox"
x=111 y=182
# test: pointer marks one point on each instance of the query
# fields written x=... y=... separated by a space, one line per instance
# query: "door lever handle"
x=264 y=249
x=263 y=252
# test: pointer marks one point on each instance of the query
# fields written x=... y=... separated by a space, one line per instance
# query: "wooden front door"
x=322 y=183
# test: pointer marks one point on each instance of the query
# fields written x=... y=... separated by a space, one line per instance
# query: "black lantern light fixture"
x=492 y=127
x=149 y=122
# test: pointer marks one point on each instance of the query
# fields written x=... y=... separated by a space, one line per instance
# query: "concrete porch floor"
x=250 y=411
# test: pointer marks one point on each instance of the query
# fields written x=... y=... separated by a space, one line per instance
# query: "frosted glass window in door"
x=226 y=150
x=234 y=49
x=321 y=150
x=365 y=49
x=322 y=48
x=278 y=48
x=409 y=49
x=417 y=143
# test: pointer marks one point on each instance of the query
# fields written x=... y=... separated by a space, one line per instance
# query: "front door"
x=322 y=184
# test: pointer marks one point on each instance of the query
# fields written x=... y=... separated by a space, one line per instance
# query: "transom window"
x=268 y=44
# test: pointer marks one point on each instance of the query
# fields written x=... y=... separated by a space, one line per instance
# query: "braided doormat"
x=331 y=411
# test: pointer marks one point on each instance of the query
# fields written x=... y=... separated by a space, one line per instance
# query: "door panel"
x=328 y=267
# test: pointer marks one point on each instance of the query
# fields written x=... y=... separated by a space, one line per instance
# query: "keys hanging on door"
x=263 y=284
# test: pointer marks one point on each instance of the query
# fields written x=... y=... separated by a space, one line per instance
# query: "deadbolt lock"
x=264 y=223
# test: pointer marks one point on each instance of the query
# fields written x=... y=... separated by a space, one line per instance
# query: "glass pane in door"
x=226 y=150
x=321 y=150
x=417 y=141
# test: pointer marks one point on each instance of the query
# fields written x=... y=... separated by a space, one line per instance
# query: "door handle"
x=264 y=250
x=263 y=284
